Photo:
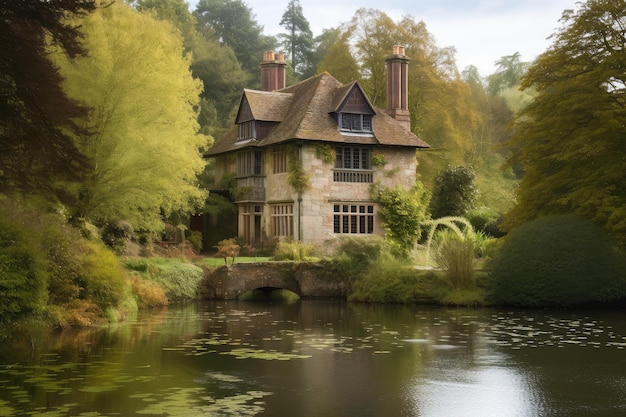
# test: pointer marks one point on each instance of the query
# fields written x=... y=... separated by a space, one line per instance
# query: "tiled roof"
x=305 y=111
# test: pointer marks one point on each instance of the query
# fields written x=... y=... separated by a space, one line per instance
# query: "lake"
x=323 y=359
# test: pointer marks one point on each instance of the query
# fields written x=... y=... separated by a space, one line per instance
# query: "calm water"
x=318 y=358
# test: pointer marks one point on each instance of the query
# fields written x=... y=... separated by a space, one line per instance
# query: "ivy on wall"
x=297 y=178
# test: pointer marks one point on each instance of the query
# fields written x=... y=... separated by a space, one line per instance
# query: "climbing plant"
x=297 y=178
x=325 y=152
x=402 y=212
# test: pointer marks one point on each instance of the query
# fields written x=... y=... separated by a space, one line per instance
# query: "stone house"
x=304 y=156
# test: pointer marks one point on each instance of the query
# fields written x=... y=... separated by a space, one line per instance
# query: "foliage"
x=98 y=276
x=455 y=256
x=378 y=160
x=298 y=39
x=325 y=152
x=232 y=21
x=212 y=62
x=454 y=192
x=570 y=138
x=22 y=278
x=353 y=254
x=297 y=177
x=228 y=248
x=401 y=211
x=180 y=279
x=449 y=223
x=78 y=279
x=37 y=119
x=117 y=235
x=386 y=280
x=508 y=73
x=557 y=261
x=295 y=250
x=195 y=238
x=138 y=84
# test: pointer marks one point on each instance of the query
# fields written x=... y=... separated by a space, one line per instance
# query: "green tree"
x=215 y=64
x=234 y=24
x=508 y=73
x=298 y=39
x=37 y=153
x=339 y=61
x=143 y=130
x=570 y=139
x=454 y=193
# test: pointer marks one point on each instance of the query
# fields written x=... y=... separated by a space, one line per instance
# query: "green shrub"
x=195 y=238
x=100 y=275
x=22 y=278
x=388 y=280
x=354 y=254
x=557 y=261
x=294 y=250
x=455 y=256
x=179 y=278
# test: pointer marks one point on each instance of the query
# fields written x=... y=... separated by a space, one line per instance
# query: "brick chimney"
x=273 y=71
x=397 y=87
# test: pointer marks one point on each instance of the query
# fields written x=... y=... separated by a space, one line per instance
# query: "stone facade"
x=313 y=216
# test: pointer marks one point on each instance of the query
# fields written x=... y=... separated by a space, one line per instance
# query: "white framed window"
x=353 y=218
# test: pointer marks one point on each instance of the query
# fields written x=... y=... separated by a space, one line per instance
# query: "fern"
x=450 y=223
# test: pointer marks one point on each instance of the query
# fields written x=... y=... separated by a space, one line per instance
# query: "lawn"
x=215 y=262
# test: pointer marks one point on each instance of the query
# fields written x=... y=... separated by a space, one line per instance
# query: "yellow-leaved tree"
x=143 y=140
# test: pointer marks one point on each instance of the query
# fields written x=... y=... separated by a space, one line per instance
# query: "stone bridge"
x=304 y=279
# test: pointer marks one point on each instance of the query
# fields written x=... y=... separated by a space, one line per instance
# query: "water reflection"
x=317 y=358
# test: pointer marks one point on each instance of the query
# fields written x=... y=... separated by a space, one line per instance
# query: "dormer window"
x=351 y=122
x=247 y=131
x=354 y=112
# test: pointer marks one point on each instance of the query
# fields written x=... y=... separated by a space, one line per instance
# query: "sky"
x=481 y=31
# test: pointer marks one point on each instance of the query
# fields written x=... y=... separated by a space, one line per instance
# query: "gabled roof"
x=306 y=111
x=263 y=105
x=342 y=94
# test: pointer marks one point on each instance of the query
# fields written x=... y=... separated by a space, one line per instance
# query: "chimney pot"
x=273 y=71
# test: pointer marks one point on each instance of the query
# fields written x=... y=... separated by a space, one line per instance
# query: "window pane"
x=356 y=155
x=365 y=159
x=367 y=122
x=347 y=160
x=338 y=157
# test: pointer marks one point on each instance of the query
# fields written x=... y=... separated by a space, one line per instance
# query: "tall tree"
x=234 y=24
x=143 y=126
x=213 y=63
x=36 y=116
x=570 y=139
x=509 y=71
x=298 y=39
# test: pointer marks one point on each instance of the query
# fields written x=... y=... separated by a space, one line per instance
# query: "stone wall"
x=304 y=279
